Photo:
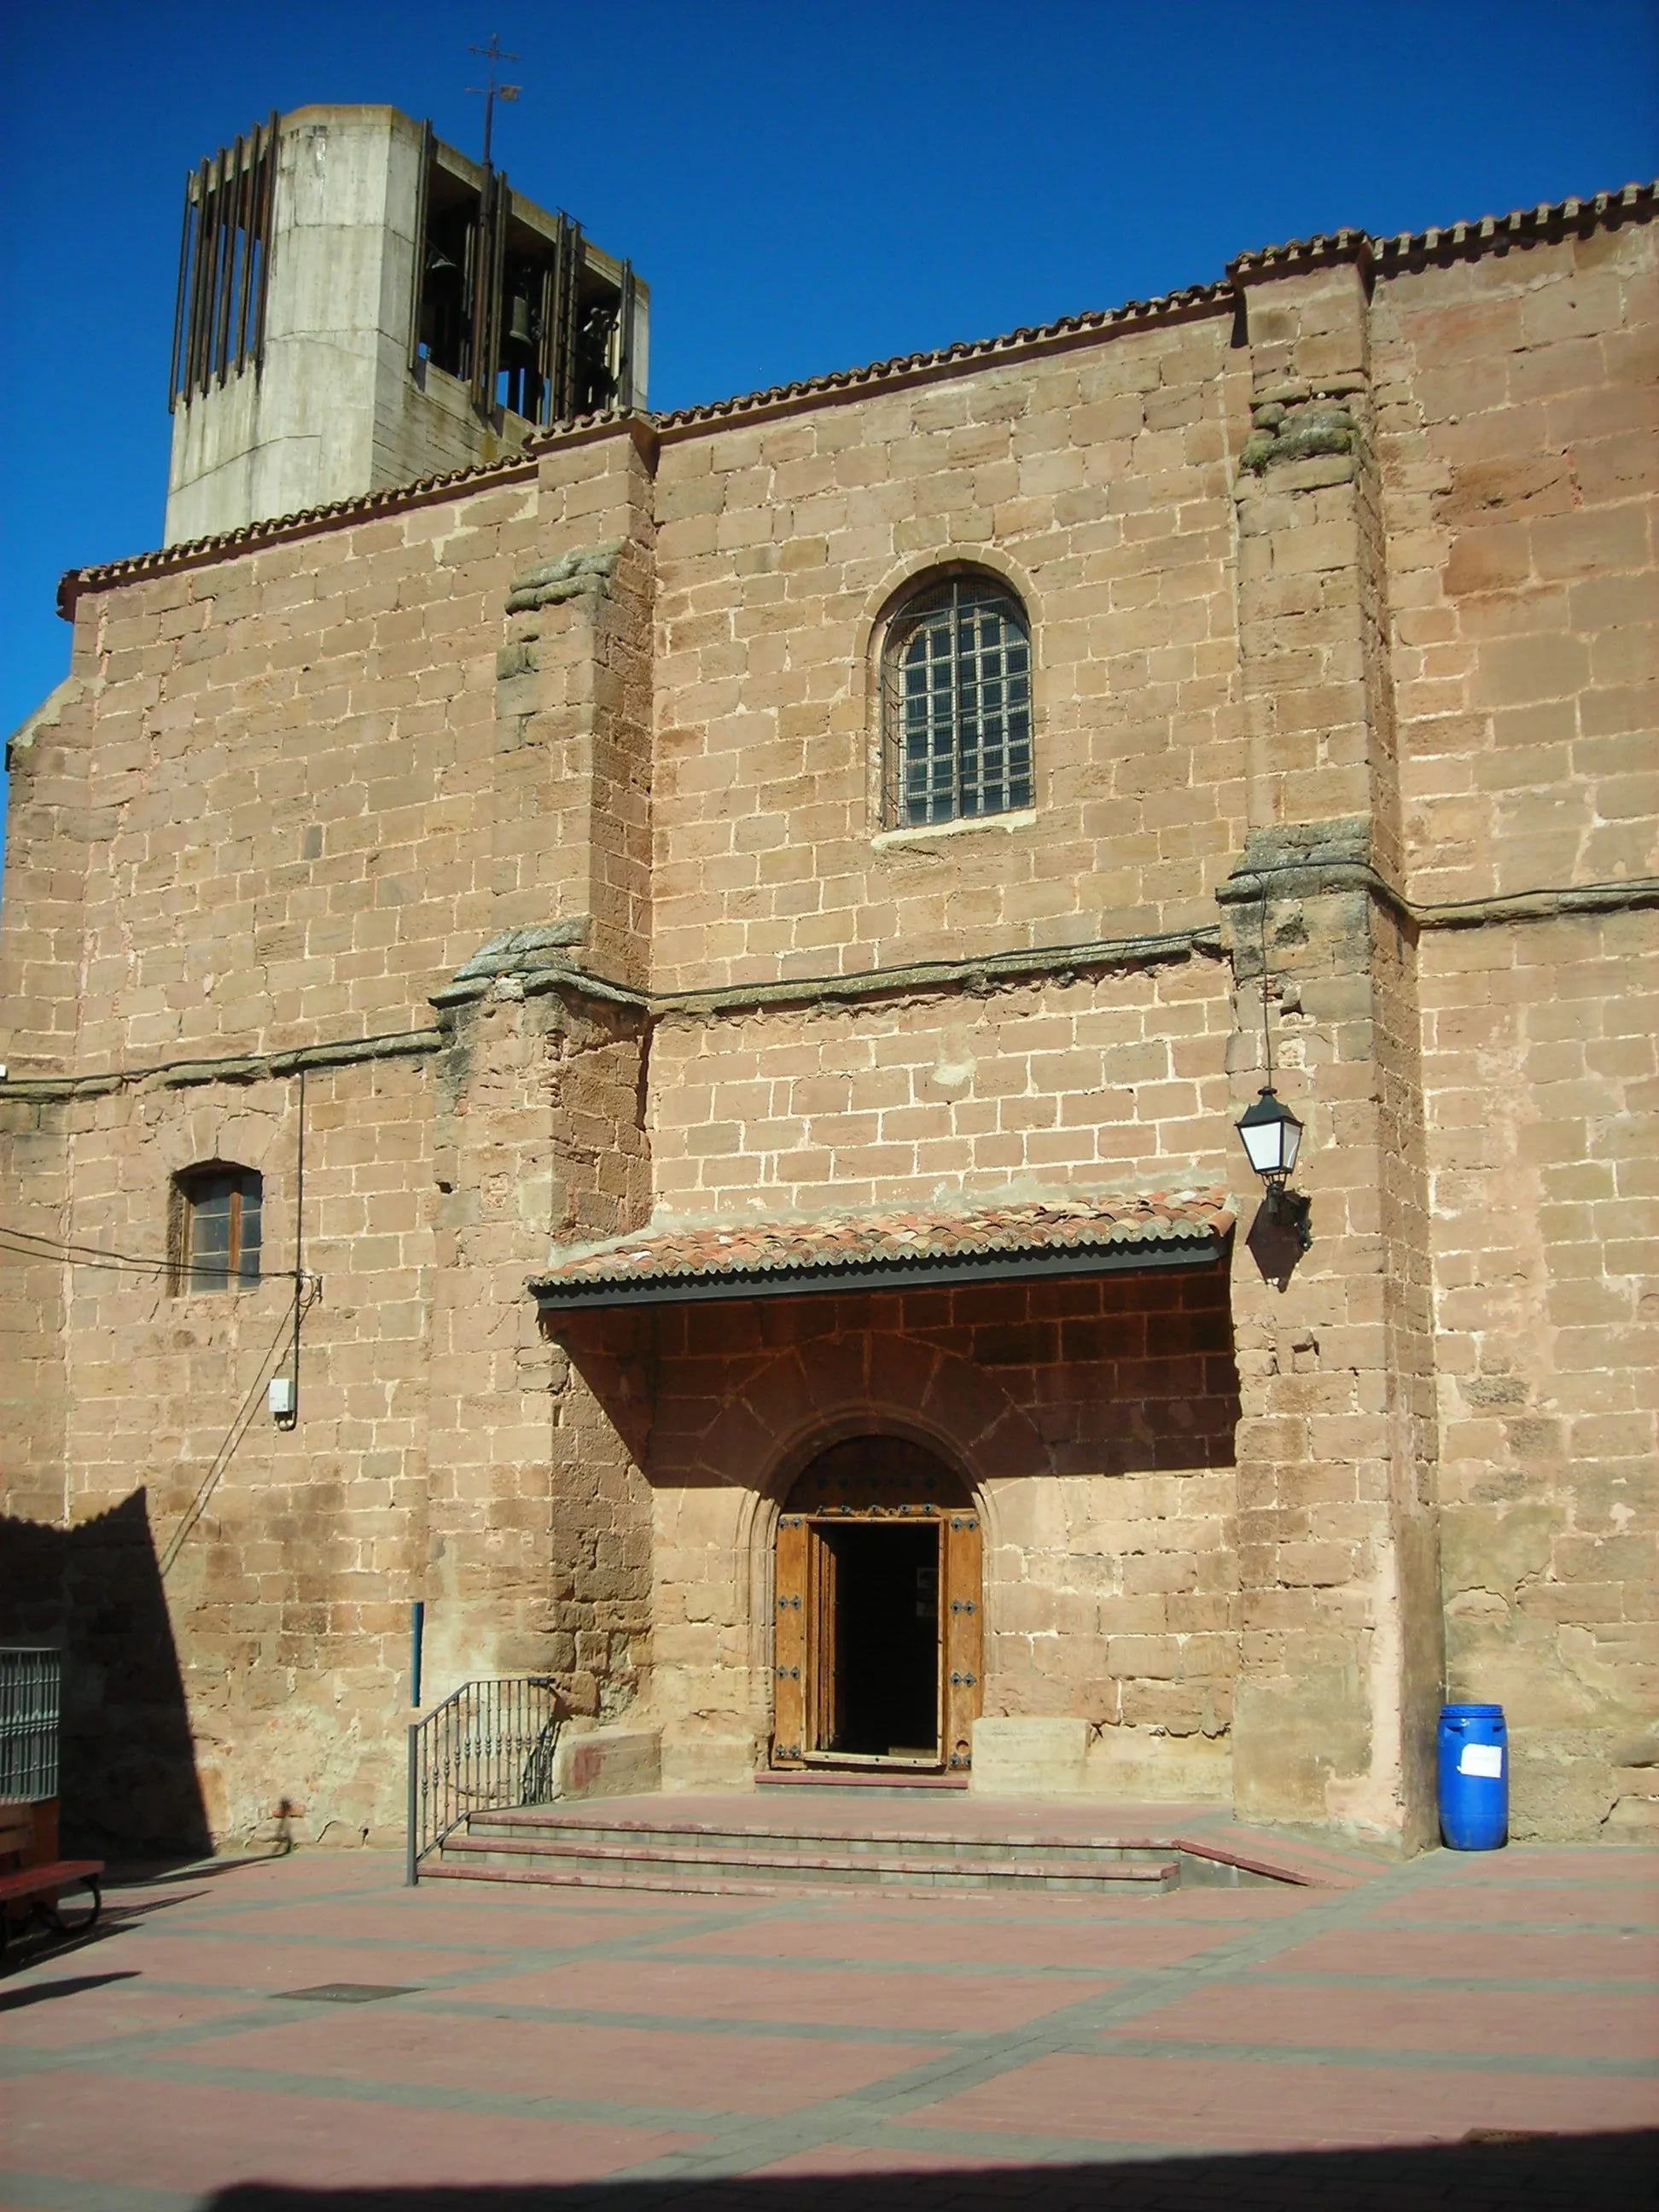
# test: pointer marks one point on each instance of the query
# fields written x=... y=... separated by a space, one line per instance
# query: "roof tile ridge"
x=1469 y=236
x=1182 y=1207
x=1020 y=339
x=546 y=435
x=273 y=528
x=1484 y=233
x=1474 y=235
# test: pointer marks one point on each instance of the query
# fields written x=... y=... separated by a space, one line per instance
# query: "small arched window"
x=215 y=1233
x=955 y=703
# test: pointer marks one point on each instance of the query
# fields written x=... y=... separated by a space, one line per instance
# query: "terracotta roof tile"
x=737 y=1258
x=1189 y=299
x=1488 y=233
x=1485 y=233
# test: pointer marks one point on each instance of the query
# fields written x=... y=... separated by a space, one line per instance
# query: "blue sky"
x=803 y=187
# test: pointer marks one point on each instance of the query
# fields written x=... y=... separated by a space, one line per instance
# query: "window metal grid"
x=957 y=705
x=31 y=1696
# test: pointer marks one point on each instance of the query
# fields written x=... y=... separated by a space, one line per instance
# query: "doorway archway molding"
x=796 y=1405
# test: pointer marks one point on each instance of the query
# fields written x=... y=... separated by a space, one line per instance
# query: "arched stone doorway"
x=878 y=1612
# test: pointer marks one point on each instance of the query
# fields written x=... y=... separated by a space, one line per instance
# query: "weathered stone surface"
x=1029 y=1758
x=608 y=1762
x=587 y=571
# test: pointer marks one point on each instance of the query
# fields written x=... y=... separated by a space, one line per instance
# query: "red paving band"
x=1478 y=2029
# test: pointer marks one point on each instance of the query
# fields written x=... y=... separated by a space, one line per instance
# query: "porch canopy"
x=894 y=1248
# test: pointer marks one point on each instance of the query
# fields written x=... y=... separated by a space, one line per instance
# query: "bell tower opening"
x=359 y=304
x=877 y=1612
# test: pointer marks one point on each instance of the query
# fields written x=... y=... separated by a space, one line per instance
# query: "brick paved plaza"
x=1482 y=2030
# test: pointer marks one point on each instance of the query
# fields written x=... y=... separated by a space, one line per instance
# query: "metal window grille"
x=957 y=705
x=31 y=1696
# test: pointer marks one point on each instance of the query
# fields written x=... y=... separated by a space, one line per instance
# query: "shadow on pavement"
x=39 y=1992
x=32 y=1946
x=148 y=1874
x=1610 y=2172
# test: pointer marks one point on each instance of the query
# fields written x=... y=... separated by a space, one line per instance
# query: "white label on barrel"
x=1481 y=1758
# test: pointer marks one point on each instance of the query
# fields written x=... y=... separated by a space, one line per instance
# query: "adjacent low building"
x=685 y=991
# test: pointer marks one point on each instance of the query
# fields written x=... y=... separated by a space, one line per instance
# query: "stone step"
x=869 y=1781
x=702 y=1881
x=664 y=1860
x=780 y=1835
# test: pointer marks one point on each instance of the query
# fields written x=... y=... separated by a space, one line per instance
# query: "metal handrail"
x=488 y=1745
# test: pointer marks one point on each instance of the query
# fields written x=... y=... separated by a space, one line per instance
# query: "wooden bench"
x=34 y=1882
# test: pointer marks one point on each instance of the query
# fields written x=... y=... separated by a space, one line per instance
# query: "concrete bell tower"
x=360 y=304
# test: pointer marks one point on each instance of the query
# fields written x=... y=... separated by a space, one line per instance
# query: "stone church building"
x=628 y=1027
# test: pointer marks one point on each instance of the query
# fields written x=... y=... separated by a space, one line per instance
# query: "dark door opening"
x=886 y=1640
x=876 y=1620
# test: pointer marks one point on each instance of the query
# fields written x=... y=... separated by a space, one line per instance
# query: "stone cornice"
x=1314 y=873
x=988 y=972
x=231 y=1068
x=1457 y=241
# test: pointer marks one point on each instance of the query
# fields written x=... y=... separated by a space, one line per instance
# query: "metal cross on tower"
x=492 y=92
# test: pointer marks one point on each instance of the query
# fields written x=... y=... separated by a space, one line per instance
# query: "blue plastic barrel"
x=1474 y=1777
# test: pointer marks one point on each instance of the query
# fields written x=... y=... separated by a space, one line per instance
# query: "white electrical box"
x=280 y=1397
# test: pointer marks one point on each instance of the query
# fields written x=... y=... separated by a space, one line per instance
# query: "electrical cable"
x=241 y=1422
x=299 y=1240
x=30 y=1245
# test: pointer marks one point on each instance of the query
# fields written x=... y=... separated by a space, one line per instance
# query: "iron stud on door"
x=789 y=1642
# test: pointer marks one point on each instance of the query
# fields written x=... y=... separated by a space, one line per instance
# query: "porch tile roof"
x=727 y=1258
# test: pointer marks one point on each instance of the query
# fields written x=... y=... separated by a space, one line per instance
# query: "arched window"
x=216 y=1228
x=956 y=703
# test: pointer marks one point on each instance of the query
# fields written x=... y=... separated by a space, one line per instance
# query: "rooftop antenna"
x=492 y=92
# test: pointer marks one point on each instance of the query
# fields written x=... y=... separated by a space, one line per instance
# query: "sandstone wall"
x=440 y=1453
x=287 y=1560
x=294 y=791
x=1096 y=481
x=1112 y=1077
x=1516 y=398
x=1539 y=1064
x=34 y=1281
x=1520 y=412
x=293 y=749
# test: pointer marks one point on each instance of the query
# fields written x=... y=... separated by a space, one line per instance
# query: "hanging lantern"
x=1272 y=1137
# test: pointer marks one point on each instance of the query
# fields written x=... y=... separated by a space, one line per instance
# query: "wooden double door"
x=878 y=1613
